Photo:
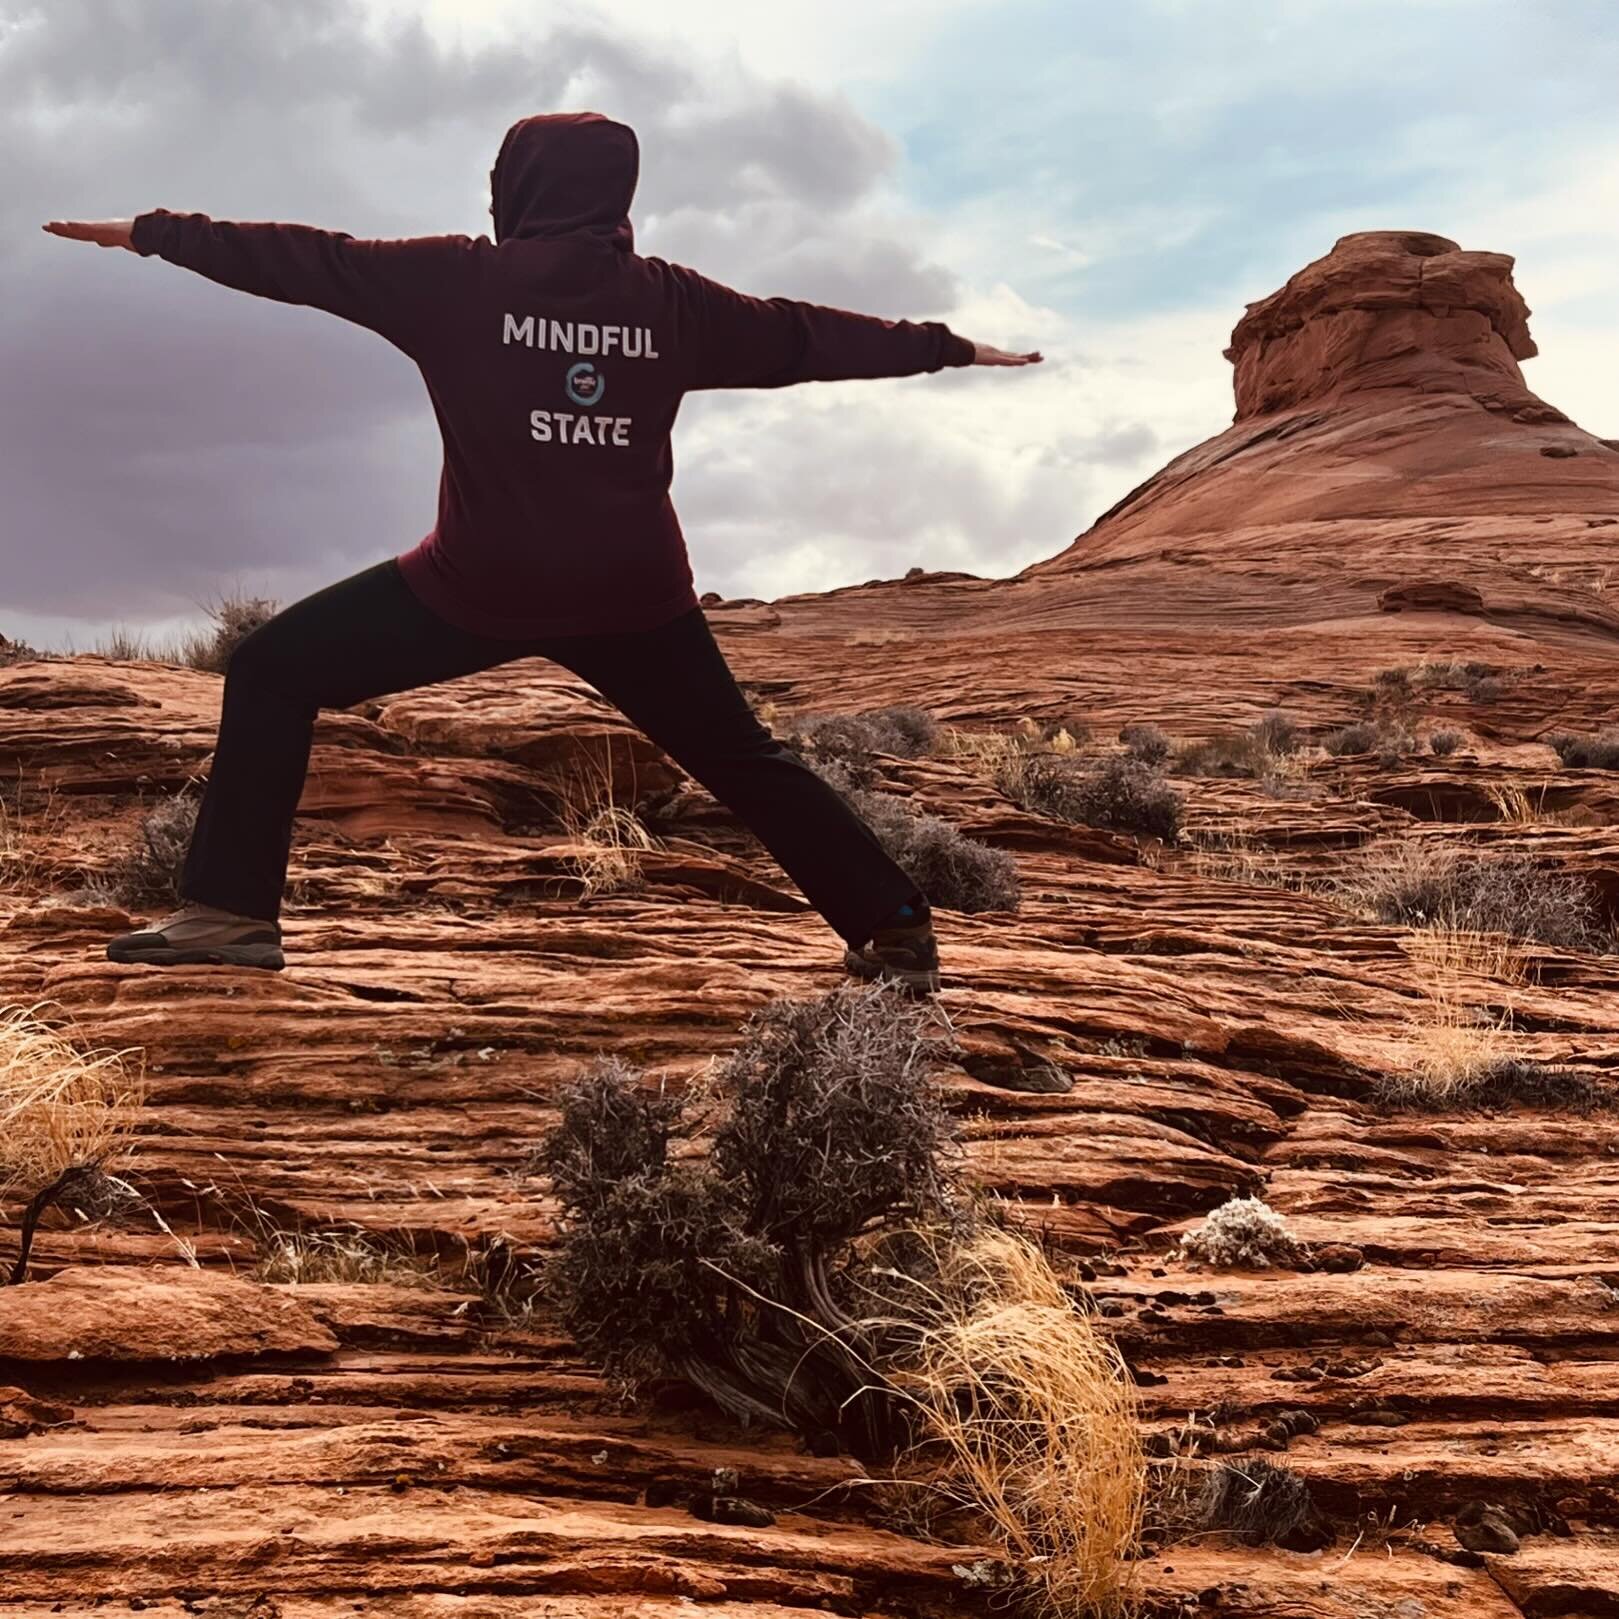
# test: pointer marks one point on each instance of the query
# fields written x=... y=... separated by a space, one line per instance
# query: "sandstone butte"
x=1389 y=492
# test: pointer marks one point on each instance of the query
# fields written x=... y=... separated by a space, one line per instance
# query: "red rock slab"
x=111 y=1313
x=428 y=1605
x=292 y=1540
x=1549 y=1580
x=1339 y=1583
x=1263 y=1309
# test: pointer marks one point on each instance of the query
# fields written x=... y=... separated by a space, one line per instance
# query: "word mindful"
x=579 y=337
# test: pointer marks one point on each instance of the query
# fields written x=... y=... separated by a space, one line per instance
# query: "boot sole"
x=924 y=980
x=267 y=956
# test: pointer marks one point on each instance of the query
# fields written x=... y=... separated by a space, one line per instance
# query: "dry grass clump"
x=149 y=872
x=608 y=839
x=1423 y=883
x=1117 y=793
x=60 y=1108
x=1277 y=732
x=1456 y=1049
x=1026 y=1422
x=954 y=871
x=1245 y=1233
x=1599 y=752
x=234 y=619
x=292 y=1257
x=1262 y=1502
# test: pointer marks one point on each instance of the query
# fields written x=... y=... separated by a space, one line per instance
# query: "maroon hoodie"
x=556 y=358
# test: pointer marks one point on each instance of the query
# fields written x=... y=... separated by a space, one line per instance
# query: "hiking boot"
x=202 y=935
x=901 y=951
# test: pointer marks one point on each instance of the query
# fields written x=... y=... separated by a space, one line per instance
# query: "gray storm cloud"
x=161 y=437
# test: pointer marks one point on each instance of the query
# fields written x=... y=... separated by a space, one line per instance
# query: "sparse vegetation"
x=1445 y=741
x=234 y=619
x=149 y=872
x=1389 y=740
x=954 y=871
x=1262 y=1502
x=1116 y=793
x=818 y=1270
x=1230 y=756
x=1145 y=743
x=607 y=839
x=17 y=652
x=1600 y=752
x=61 y=1108
x=1027 y=1422
x=1244 y=1233
x=852 y=739
x=1492 y=1084
x=1277 y=732
x=1423 y=883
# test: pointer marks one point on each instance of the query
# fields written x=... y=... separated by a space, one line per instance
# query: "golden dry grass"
x=1028 y=1424
x=59 y=1106
x=608 y=840
x=340 y=1256
x=1452 y=1037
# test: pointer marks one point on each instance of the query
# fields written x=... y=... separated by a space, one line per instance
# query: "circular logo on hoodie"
x=585 y=384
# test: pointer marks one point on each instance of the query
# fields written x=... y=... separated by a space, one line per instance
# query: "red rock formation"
x=1218 y=1029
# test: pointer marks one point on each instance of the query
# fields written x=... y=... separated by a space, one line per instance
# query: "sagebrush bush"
x=1388 y=740
x=954 y=871
x=1600 y=752
x=1240 y=756
x=1117 y=793
x=1277 y=731
x=1262 y=1502
x=903 y=732
x=1444 y=742
x=149 y=871
x=1244 y=1232
x=1426 y=884
x=1145 y=743
x=734 y=1271
x=235 y=618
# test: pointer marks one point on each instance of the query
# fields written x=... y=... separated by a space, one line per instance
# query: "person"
x=556 y=359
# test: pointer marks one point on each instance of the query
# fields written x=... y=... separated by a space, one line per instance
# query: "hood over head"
x=565 y=172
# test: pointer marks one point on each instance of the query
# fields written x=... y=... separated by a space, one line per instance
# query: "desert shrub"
x=61 y=1108
x=17 y=652
x=1600 y=752
x=1444 y=742
x=1494 y=1084
x=1225 y=756
x=954 y=871
x=1145 y=743
x=1392 y=685
x=1247 y=1233
x=902 y=732
x=149 y=871
x=234 y=619
x=1262 y=1502
x=1116 y=793
x=1277 y=731
x=294 y=1257
x=1423 y=883
x=819 y=1270
x=735 y=1271
x=1388 y=740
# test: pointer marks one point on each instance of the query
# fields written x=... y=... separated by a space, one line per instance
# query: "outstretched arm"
x=381 y=285
x=734 y=341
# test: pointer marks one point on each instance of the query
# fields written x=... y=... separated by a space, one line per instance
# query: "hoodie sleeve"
x=386 y=286
x=734 y=341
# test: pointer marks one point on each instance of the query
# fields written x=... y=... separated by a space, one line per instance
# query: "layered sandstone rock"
x=1154 y=1031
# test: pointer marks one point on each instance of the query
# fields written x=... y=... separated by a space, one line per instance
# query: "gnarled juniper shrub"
x=745 y=1272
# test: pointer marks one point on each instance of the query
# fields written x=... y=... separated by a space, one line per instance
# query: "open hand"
x=103 y=232
x=986 y=354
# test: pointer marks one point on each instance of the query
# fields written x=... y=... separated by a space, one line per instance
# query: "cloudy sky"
x=1110 y=182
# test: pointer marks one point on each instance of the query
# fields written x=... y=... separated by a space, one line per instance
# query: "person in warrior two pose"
x=556 y=358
